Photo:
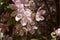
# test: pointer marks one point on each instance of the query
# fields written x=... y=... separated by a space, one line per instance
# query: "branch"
x=57 y=12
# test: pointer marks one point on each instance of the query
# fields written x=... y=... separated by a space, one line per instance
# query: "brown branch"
x=57 y=12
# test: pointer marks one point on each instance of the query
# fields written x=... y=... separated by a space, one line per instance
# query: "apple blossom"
x=26 y=16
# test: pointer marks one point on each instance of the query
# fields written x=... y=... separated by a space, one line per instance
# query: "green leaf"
x=12 y=22
x=34 y=39
x=44 y=37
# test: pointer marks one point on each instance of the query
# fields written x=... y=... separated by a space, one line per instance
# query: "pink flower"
x=57 y=32
x=22 y=13
x=26 y=16
x=39 y=14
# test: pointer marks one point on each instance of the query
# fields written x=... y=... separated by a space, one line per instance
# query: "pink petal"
x=29 y=20
x=35 y=27
x=21 y=6
x=13 y=6
x=28 y=12
x=41 y=18
x=24 y=1
x=42 y=12
x=24 y=22
x=16 y=1
x=57 y=32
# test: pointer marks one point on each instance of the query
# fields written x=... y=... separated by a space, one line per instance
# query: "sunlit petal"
x=42 y=12
x=39 y=18
x=21 y=6
x=17 y=18
x=35 y=27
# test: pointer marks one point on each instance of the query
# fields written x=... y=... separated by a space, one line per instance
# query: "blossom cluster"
x=26 y=16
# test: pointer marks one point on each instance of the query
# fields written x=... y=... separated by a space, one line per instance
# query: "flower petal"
x=32 y=31
x=35 y=27
x=42 y=12
x=29 y=27
x=39 y=18
x=17 y=18
x=28 y=12
x=13 y=7
x=13 y=14
x=16 y=1
x=24 y=1
x=24 y=22
x=57 y=32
